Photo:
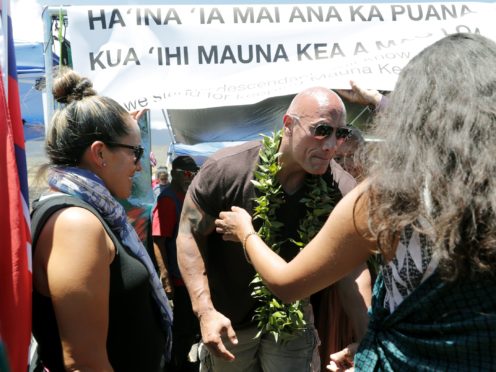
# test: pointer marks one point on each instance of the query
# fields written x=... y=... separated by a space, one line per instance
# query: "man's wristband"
x=248 y=234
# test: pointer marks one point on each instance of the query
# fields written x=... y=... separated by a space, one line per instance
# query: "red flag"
x=15 y=257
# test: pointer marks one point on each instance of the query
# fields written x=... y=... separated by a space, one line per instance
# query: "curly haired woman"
x=428 y=206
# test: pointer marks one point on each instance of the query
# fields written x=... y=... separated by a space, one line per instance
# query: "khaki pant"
x=265 y=354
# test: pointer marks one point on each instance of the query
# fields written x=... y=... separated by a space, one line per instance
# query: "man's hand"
x=214 y=326
x=359 y=95
x=168 y=288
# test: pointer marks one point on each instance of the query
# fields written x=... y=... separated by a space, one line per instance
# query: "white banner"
x=195 y=56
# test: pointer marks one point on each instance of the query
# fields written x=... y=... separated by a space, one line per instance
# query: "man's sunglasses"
x=187 y=173
x=138 y=150
x=322 y=131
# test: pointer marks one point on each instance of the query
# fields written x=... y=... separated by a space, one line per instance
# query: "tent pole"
x=5 y=32
x=168 y=125
x=170 y=150
x=48 y=13
x=47 y=46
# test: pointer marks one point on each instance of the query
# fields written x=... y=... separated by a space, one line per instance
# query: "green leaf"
x=298 y=244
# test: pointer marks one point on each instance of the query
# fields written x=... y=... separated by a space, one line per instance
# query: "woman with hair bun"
x=428 y=207
x=97 y=302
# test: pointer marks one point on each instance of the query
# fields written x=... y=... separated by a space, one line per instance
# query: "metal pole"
x=47 y=47
x=48 y=14
x=5 y=34
x=171 y=150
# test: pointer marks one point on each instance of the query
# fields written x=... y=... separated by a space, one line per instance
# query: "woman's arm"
x=342 y=244
x=360 y=95
x=77 y=253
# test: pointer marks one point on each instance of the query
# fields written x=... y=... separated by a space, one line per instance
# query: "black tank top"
x=135 y=340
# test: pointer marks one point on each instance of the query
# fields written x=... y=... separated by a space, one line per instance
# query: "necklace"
x=284 y=321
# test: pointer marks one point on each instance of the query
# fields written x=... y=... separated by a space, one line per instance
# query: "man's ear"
x=286 y=120
x=288 y=124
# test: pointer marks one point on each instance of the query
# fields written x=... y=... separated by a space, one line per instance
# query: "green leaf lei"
x=284 y=321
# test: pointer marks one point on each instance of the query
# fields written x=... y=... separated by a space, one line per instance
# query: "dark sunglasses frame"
x=138 y=150
x=322 y=131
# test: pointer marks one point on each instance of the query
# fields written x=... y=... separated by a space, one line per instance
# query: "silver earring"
x=104 y=164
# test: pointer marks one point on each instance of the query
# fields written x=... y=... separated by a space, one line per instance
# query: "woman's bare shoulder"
x=73 y=227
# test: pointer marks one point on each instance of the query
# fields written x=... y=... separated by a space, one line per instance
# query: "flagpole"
x=5 y=32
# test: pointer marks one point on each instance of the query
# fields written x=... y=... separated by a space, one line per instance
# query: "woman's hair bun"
x=69 y=86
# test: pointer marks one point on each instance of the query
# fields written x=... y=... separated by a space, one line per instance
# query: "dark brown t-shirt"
x=223 y=181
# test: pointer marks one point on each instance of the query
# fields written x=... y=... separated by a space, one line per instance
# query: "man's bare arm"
x=194 y=227
x=162 y=263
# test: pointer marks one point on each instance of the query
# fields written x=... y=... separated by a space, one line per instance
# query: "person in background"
x=97 y=302
x=217 y=274
x=153 y=159
x=428 y=207
x=161 y=181
x=165 y=223
x=348 y=155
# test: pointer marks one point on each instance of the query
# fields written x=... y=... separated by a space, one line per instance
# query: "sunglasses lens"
x=343 y=133
x=322 y=131
x=187 y=173
x=138 y=153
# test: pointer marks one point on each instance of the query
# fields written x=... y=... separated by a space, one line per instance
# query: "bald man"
x=216 y=272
